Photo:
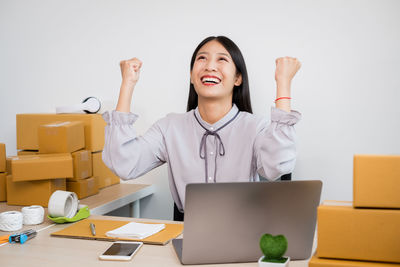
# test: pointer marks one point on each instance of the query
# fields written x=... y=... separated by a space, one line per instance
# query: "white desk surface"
x=44 y=250
x=108 y=199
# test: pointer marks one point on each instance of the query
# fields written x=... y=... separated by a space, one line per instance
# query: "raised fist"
x=130 y=70
x=286 y=68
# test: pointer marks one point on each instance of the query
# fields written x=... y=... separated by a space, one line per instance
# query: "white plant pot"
x=273 y=264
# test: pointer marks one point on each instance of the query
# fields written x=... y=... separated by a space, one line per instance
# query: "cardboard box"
x=27 y=129
x=8 y=165
x=97 y=180
x=319 y=262
x=61 y=137
x=3 y=187
x=106 y=176
x=84 y=188
x=27 y=152
x=41 y=167
x=2 y=157
x=32 y=192
x=376 y=181
x=82 y=161
x=345 y=232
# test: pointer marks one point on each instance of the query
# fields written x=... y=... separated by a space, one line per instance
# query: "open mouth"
x=210 y=80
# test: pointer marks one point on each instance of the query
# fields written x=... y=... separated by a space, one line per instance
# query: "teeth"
x=210 y=80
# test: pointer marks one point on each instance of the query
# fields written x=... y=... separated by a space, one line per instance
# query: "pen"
x=93 y=229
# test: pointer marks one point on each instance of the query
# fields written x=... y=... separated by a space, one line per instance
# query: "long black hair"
x=241 y=93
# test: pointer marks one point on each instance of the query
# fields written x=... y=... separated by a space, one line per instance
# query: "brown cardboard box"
x=8 y=165
x=106 y=176
x=3 y=187
x=345 y=232
x=27 y=152
x=84 y=188
x=2 y=157
x=82 y=161
x=97 y=180
x=27 y=128
x=319 y=262
x=376 y=181
x=61 y=137
x=41 y=167
x=32 y=192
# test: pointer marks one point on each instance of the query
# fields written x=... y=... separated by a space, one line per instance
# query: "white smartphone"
x=121 y=251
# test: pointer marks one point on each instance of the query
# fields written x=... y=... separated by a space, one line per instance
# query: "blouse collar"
x=222 y=121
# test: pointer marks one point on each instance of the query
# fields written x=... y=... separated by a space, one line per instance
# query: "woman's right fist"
x=130 y=70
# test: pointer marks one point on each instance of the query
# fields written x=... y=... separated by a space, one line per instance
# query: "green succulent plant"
x=273 y=248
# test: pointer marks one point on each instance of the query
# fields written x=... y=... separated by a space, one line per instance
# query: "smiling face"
x=214 y=73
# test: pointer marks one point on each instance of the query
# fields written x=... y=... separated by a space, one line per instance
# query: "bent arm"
x=275 y=145
x=126 y=154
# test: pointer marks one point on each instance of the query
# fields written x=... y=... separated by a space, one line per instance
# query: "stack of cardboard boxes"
x=57 y=152
x=365 y=232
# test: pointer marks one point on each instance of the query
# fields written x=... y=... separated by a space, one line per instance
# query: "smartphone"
x=121 y=251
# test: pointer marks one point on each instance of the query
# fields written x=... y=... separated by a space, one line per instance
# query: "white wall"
x=55 y=53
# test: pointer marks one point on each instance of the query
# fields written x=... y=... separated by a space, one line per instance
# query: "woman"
x=217 y=139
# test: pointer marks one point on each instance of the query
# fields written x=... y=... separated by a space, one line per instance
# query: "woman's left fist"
x=286 y=68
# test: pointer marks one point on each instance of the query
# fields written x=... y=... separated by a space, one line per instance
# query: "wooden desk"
x=108 y=199
x=44 y=250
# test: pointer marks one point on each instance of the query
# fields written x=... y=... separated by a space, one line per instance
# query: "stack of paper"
x=136 y=230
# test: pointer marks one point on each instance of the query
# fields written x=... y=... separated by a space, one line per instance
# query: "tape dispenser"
x=89 y=105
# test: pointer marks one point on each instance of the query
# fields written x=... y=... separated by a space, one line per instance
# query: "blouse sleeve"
x=275 y=145
x=126 y=154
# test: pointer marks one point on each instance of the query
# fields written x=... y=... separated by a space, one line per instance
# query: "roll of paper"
x=33 y=215
x=11 y=221
x=63 y=204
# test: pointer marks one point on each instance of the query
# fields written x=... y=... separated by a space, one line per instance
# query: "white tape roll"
x=63 y=204
x=10 y=221
x=33 y=214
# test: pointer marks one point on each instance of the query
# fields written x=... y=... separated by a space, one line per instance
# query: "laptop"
x=225 y=221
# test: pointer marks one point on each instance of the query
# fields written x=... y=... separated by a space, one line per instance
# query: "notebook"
x=81 y=229
x=136 y=230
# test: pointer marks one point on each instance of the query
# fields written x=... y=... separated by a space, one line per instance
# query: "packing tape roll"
x=63 y=204
x=11 y=221
x=33 y=215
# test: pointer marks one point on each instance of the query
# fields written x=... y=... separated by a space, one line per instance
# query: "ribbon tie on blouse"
x=220 y=149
